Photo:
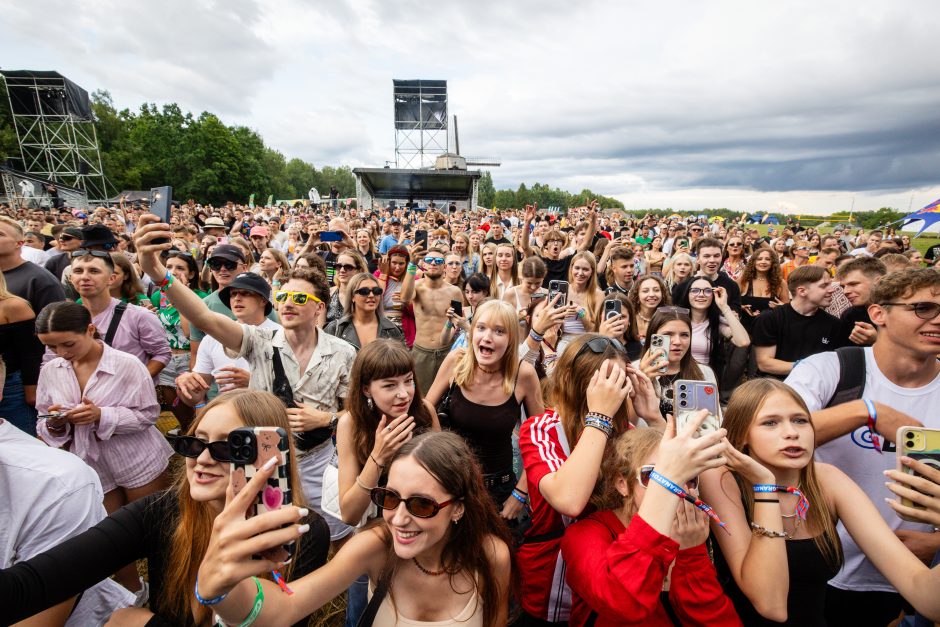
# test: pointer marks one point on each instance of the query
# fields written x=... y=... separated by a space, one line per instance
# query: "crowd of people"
x=483 y=412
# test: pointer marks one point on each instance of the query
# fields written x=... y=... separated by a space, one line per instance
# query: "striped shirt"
x=124 y=446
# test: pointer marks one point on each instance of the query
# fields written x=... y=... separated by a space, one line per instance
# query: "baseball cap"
x=395 y=221
x=227 y=251
x=250 y=282
x=258 y=230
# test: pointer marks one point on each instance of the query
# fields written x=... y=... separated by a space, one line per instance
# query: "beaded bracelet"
x=758 y=530
x=872 y=421
x=212 y=601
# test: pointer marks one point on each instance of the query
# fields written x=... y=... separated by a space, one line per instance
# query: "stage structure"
x=21 y=189
x=420 y=122
x=55 y=130
x=443 y=186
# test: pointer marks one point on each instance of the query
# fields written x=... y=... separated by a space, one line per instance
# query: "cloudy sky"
x=800 y=106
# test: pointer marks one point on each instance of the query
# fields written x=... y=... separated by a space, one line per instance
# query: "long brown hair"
x=380 y=359
x=774 y=276
x=746 y=401
x=571 y=378
x=448 y=458
x=193 y=525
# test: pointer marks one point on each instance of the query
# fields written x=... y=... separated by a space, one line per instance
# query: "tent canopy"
x=438 y=185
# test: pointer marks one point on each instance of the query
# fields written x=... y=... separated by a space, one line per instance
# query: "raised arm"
x=530 y=213
x=190 y=306
x=739 y=336
x=592 y=228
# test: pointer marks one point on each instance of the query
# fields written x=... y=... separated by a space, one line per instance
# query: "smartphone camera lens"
x=245 y=452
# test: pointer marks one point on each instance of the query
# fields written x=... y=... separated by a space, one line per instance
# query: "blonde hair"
x=20 y=233
x=590 y=323
x=4 y=292
x=504 y=314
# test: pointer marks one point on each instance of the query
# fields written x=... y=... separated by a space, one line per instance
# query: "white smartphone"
x=660 y=343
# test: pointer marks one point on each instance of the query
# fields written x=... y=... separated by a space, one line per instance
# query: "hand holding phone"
x=661 y=344
x=457 y=306
x=689 y=397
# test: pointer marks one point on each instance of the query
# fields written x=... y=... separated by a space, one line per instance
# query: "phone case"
x=251 y=448
x=691 y=396
x=611 y=309
x=918 y=443
x=661 y=342
x=556 y=287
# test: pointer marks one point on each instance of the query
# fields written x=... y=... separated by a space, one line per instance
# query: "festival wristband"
x=212 y=601
x=682 y=494
x=535 y=335
x=166 y=280
x=412 y=269
x=802 y=505
x=256 y=607
x=872 y=421
x=519 y=497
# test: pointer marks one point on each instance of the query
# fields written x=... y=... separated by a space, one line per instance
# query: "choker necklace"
x=644 y=318
x=433 y=573
x=486 y=370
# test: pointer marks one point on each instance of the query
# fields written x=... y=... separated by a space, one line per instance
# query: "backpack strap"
x=851 y=383
x=119 y=310
x=372 y=609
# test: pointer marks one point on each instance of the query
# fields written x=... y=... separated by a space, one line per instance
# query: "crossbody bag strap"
x=119 y=310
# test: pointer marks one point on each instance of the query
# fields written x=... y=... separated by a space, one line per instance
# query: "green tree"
x=9 y=147
x=486 y=192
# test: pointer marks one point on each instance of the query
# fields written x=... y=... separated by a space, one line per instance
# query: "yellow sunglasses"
x=299 y=298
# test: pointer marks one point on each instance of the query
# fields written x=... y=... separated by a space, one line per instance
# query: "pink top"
x=122 y=388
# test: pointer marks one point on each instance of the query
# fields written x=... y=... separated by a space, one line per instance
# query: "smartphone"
x=160 y=198
x=661 y=342
x=922 y=444
x=331 y=236
x=421 y=238
x=457 y=307
x=558 y=287
x=330 y=271
x=251 y=447
x=691 y=396
x=611 y=308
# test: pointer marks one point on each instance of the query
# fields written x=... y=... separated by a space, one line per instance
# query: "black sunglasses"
x=192 y=447
x=345 y=267
x=81 y=252
x=218 y=264
x=420 y=506
x=66 y=238
x=365 y=291
x=599 y=346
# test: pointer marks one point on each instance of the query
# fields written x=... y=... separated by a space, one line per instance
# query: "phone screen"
x=331 y=236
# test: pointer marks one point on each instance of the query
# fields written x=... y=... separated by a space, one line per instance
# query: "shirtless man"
x=431 y=298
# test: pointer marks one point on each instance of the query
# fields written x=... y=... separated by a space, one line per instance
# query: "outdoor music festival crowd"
x=473 y=444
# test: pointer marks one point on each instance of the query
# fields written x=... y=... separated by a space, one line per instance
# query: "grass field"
x=921 y=243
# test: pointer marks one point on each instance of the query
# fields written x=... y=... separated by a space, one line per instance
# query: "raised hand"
x=683 y=456
x=607 y=389
x=390 y=436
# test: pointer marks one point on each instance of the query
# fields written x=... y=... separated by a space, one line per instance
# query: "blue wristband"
x=212 y=601
x=518 y=497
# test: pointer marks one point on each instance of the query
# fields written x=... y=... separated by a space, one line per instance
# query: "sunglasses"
x=100 y=254
x=735 y=245
x=298 y=298
x=345 y=267
x=924 y=311
x=436 y=261
x=643 y=474
x=420 y=506
x=365 y=291
x=192 y=447
x=696 y=291
x=801 y=248
x=66 y=238
x=673 y=309
x=218 y=264
x=599 y=346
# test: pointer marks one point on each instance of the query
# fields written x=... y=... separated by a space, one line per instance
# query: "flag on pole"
x=251 y=201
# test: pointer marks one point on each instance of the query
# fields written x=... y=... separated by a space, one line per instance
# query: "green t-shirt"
x=170 y=320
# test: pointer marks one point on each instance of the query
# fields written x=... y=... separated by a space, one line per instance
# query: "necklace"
x=644 y=318
x=486 y=370
x=433 y=573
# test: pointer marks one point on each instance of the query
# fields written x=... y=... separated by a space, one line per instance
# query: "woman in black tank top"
x=483 y=391
x=761 y=284
x=781 y=509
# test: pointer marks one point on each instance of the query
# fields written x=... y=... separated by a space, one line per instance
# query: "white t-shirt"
x=815 y=379
x=49 y=496
x=211 y=354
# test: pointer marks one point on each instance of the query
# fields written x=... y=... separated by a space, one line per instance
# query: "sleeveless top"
x=334 y=310
x=757 y=303
x=470 y=616
x=806 y=603
x=486 y=428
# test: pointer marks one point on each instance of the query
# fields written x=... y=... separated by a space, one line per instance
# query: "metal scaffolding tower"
x=55 y=130
x=420 y=122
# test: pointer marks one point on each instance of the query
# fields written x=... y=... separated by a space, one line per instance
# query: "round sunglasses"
x=192 y=447
x=366 y=291
x=643 y=475
x=420 y=506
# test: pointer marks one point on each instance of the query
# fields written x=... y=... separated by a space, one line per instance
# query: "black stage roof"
x=443 y=185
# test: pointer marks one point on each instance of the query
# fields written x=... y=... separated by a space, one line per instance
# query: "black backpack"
x=851 y=384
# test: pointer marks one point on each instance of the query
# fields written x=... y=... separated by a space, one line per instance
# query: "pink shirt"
x=124 y=446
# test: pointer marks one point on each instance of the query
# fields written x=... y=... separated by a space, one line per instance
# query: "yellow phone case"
x=918 y=443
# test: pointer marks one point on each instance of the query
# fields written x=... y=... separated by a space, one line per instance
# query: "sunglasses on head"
x=436 y=261
x=643 y=475
x=365 y=291
x=218 y=264
x=345 y=267
x=192 y=447
x=298 y=298
x=100 y=254
x=599 y=346
x=673 y=309
x=420 y=506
